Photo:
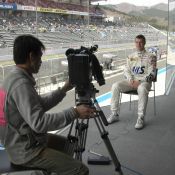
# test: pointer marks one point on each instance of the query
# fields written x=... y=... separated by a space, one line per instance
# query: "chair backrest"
x=155 y=75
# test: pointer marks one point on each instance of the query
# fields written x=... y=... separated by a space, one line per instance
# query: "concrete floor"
x=150 y=151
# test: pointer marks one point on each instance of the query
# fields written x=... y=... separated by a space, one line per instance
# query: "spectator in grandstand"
x=24 y=122
x=139 y=75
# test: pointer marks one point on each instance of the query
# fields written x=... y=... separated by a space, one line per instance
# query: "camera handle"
x=76 y=144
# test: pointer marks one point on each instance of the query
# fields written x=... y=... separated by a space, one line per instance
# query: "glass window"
x=170 y=71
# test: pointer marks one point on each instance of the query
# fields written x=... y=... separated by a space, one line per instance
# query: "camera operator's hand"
x=67 y=86
x=85 y=112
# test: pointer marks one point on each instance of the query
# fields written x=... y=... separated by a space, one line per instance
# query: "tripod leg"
x=104 y=136
x=101 y=114
x=81 y=136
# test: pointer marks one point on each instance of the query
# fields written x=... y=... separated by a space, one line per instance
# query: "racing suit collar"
x=140 y=53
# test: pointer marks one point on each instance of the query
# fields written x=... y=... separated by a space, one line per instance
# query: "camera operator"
x=139 y=72
x=24 y=122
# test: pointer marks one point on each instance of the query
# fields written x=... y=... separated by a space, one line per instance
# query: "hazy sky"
x=135 y=2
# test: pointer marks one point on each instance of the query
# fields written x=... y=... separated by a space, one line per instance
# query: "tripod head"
x=85 y=95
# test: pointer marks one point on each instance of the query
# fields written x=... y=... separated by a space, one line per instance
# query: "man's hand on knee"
x=134 y=83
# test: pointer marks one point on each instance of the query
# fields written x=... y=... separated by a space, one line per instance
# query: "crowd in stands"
x=52 y=23
x=19 y=22
x=57 y=22
x=61 y=24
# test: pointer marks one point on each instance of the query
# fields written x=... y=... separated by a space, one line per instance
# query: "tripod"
x=76 y=144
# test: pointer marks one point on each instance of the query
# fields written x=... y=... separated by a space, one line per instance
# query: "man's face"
x=140 y=44
x=35 y=62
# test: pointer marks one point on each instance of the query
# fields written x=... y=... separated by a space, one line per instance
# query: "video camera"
x=83 y=65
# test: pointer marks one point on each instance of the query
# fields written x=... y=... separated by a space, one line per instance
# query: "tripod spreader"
x=81 y=126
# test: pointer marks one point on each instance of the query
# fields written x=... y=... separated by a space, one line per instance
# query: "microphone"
x=94 y=48
x=69 y=52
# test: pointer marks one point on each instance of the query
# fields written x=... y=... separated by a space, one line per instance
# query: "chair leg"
x=130 y=103
x=120 y=99
x=154 y=103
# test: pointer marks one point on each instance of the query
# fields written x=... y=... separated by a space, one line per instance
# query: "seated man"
x=139 y=73
x=24 y=122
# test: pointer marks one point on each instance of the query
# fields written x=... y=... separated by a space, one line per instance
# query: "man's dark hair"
x=141 y=37
x=24 y=45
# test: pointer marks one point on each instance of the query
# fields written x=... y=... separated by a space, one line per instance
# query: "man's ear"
x=31 y=57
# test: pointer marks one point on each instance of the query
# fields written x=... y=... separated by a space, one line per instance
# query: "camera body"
x=80 y=74
x=83 y=65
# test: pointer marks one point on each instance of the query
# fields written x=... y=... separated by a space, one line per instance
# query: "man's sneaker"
x=113 y=118
x=140 y=123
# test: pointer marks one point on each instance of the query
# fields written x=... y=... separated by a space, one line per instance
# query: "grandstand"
x=64 y=27
x=54 y=31
x=64 y=5
x=63 y=24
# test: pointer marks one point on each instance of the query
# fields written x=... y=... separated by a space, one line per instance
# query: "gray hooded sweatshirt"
x=23 y=118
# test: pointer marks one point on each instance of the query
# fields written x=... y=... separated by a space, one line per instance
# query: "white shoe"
x=140 y=123
x=113 y=118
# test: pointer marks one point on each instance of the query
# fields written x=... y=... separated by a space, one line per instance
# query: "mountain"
x=156 y=15
x=161 y=6
x=150 y=13
x=127 y=7
x=153 y=12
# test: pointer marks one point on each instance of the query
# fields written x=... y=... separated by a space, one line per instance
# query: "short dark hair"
x=23 y=45
x=141 y=37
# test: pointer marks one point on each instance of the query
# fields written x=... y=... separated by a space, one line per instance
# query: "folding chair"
x=134 y=92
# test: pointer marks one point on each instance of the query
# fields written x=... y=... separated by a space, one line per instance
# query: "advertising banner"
x=51 y=10
x=77 y=13
x=28 y=8
x=11 y=6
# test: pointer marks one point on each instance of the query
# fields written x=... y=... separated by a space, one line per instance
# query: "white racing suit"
x=140 y=66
